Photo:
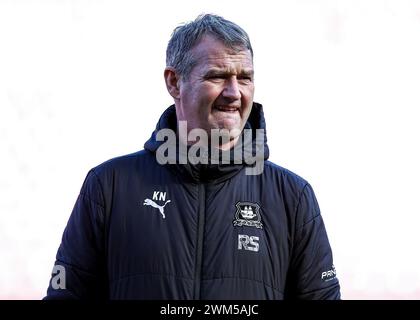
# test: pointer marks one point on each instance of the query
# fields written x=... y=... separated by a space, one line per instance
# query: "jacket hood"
x=217 y=169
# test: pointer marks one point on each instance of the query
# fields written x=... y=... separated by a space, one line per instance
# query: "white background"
x=82 y=82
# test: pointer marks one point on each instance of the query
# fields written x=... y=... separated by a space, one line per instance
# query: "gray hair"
x=186 y=36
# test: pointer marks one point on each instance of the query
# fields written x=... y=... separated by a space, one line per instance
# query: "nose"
x=231 y=89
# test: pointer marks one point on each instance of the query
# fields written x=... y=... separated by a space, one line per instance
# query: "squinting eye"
x=245 y=79
x=215 y=78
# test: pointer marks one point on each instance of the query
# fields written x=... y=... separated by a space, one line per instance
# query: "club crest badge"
x=247 y=214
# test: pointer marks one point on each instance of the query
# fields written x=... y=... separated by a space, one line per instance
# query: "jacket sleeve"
x=311 y=273
x=80 y=267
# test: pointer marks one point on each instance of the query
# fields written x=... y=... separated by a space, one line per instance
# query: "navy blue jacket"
x=142 y=230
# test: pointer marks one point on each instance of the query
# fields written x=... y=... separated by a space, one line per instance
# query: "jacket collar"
x=210 y=172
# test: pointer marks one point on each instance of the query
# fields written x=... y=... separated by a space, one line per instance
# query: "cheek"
x=248 y=99
x=201 y=96
x=209 y=93
x=248 y=93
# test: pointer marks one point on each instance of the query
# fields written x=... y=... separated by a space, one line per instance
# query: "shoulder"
x=298 y=191
x=120 y=168
x=294 y=191
x=102 y=179
x=284 y=176
x=121 y=164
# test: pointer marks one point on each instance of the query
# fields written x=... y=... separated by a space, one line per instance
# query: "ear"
x=172 y=82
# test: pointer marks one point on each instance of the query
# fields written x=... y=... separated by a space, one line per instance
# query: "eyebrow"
x=227 y=72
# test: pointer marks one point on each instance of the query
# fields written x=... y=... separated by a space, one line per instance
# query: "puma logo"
x=148 y=202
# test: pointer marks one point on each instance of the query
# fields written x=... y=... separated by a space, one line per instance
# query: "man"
x=179 y=220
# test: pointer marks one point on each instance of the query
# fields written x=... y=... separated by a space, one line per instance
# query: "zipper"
x=200 y=239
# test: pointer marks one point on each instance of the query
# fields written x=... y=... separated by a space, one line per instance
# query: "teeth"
x=226 y=109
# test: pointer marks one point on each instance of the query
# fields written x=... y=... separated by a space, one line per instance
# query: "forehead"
x=212 y=53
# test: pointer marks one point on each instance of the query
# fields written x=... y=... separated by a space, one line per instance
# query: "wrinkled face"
x=219 y=91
